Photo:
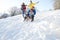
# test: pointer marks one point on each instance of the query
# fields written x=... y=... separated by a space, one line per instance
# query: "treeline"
x=12 y=12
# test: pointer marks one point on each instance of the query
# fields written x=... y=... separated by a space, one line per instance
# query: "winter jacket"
x=34 y=12
x=23 y=7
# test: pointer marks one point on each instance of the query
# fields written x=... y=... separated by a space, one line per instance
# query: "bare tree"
x=15 y=11
x=56 y=4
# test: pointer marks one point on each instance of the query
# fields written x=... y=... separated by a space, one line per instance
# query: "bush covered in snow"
x=4 y=16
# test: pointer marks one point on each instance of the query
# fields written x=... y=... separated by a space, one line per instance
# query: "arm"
x=37 y=2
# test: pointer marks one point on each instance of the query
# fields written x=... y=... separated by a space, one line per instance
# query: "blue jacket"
x=33 y=11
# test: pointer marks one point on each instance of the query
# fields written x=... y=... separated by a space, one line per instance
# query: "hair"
x=31 y=1
x=23 y=3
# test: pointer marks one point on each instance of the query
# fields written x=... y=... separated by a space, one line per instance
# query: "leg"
x=32 y=17
x=22 y=13
x=25 y=18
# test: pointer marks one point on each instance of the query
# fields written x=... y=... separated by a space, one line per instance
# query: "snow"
x=46 y=26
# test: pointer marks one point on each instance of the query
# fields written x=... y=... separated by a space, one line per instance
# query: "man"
x=23 y=8
x=31 y=13
x=32 y=9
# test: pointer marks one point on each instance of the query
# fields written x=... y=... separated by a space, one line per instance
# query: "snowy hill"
x=46 y=26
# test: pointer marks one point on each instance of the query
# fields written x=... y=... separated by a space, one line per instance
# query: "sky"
x=5 y=5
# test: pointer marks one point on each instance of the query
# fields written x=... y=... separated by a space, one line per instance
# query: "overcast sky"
x=42 y=5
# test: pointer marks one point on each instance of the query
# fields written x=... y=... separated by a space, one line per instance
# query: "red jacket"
x=23 y=7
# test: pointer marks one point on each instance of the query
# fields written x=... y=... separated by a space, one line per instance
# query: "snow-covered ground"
x=46 y=26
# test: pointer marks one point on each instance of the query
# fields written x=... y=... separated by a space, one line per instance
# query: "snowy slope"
x=45 y=27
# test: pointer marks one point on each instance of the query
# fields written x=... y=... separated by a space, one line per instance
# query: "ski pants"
x=32 y=18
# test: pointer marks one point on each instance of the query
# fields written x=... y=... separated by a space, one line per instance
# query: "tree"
x=15 y=11
x=56 y=4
